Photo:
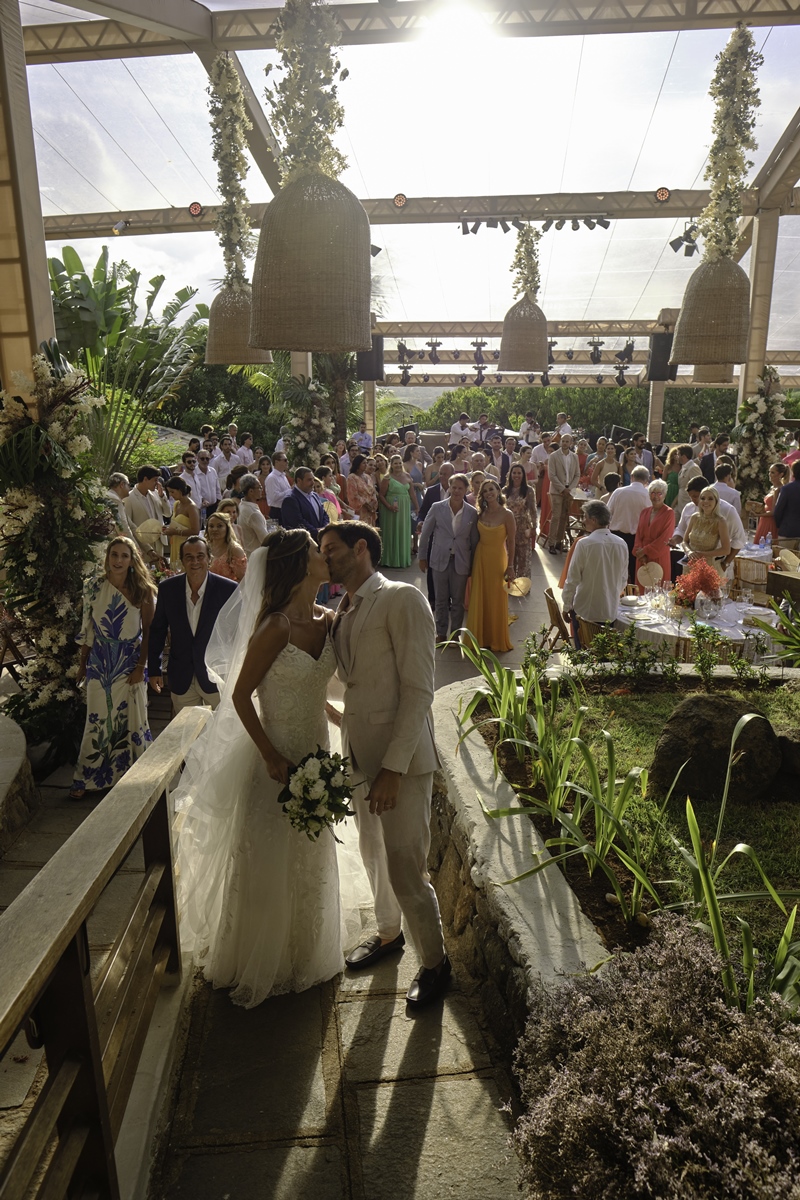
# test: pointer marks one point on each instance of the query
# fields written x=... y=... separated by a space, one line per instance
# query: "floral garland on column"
x=759 y=436
x=309 y=431
x=525 y=263
x=229 y=125
x=55 y=525
x=736 y=97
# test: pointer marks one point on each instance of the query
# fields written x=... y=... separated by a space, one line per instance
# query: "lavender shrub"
x=641 y=1082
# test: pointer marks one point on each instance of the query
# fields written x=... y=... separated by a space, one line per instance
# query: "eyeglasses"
x=190 y=460
x=203 y=458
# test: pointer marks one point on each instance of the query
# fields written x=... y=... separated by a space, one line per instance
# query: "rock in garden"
x=700 y=730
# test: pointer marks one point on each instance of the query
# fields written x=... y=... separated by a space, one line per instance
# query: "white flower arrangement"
x=318 y=794
x=525 y=263
x=310 y=429
x=759 y=435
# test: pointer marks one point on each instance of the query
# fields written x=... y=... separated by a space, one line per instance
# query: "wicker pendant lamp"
x=312 y=281
x=312 y=278
x=524 y=346
x=228 y=342
x=712 y=329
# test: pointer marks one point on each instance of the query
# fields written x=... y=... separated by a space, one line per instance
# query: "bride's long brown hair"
x=287 y=567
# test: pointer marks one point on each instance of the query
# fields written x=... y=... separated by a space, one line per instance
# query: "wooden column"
x=301 y=364
x=370 y=411
x=762 y=273
x=655 y=412
x=26 y=311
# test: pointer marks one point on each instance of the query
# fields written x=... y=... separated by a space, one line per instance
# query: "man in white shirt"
x=689 y=469
x=530 y=430
x=147 y=501
x=346 y=459
x=723 y=483
x=252 y=525
x=189 y=474
x=363 y=439
x=207 y=483
x=540 y=455
x=232 y=432
x=278 y=485
x=626 y=505
x=726 y=511
x=225 y=460
x=564 y=472
x=459 y=428
x=563 y=427
x=245 y=450
x=598 y=570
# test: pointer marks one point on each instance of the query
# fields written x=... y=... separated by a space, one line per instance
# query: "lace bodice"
x=291 y=698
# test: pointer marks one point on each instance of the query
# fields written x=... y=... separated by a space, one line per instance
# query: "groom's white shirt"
x=388 y=677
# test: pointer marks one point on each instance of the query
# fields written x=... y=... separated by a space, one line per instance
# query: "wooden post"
x=762 y=272
x=26 y=310
x=655 y=412
x=301 y=364
x=370 y=412
x=157 y=848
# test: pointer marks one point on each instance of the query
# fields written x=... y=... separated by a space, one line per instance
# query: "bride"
x=259 y=900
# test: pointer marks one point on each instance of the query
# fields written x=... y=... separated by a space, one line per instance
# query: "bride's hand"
x=333 y=714
x=278 y=768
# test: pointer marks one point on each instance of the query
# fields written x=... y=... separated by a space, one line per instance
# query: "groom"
x=384 y=639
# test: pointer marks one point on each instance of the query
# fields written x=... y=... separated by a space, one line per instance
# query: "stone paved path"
x=339 y=1094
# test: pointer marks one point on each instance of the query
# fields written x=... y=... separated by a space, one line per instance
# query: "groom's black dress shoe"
x=372 y=951
x=429 y=984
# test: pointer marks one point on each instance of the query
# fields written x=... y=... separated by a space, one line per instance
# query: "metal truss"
x=374 y=24
x=84 y=41
x=524 y=381
x=493 y=329
x=419 y=357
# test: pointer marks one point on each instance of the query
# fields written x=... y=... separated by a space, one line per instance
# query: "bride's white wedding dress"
x=259 y=901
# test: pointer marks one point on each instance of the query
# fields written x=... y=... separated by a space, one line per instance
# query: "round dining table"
x=734 y=621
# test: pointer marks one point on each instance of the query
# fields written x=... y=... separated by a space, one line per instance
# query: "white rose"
x=317 y=790
x=337 y=780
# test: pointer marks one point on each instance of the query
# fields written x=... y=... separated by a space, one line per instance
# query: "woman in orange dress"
x=778 y=475
x=545 y=508
x=492 y=567
x=361 y=493
x=656 y=526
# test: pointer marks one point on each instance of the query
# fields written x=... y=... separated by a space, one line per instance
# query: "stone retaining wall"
x=504 y=935
x=19 y=797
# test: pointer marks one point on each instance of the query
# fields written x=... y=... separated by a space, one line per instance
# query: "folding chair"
x=558 y=633
x=588 y=631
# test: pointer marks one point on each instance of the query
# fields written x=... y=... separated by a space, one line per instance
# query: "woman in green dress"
x=671 y=470
x=397 y=498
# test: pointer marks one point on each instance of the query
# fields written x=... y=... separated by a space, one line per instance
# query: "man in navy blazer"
x=302 y=508
x=187 y=607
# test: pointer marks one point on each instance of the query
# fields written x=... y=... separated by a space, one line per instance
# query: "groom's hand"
x=383 y=793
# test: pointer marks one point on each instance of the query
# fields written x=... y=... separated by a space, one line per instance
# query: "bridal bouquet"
x=318 y=793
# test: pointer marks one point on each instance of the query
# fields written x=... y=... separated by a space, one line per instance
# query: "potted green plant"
x=311 y=283
x=524 y=346
x=229 y=316
x=714 y=321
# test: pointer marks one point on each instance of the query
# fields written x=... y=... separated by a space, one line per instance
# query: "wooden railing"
x=92 y=1031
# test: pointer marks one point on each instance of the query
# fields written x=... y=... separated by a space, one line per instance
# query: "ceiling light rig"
x=405 y=378
x=479 y=378
x=596 y=355
x=478 y=356
x=120 y=227
x=620 y=377
x=545 y=379
x=590 y=220
x=599 y=378
x=687 y=240
x=563 y=379
x=625 y=355
x=551 y=358
x=433 y=356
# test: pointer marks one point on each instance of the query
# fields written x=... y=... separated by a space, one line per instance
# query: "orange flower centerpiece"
x=700 y=577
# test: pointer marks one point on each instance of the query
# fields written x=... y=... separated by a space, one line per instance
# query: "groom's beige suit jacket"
x=388 y=678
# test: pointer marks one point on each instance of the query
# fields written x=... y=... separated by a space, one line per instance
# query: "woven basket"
x=714 y=319
x=311 y=283
x=229 y=331
x=523 y=346
x=716 y=373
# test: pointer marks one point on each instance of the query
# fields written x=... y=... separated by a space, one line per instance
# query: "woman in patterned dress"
x=117 y=610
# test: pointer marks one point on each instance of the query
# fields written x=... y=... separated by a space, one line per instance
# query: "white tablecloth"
x=657 y=627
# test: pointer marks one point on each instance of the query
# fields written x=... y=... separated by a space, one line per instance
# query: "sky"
x=459 y=112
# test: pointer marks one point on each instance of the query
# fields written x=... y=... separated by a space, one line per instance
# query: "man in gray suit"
x=453 y=526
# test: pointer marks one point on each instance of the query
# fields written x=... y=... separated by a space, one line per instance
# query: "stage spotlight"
x=596 y=355
x=495 y=355
x=120 y=227
x=589 y=223
x=570 y=355
x=491 y=223
x=375 y=250
x=551 y=358
x=603 y=223
x=620 y=377
x=465 y=226
x=690 y=249
x=517 y=223
x=475 y=227
x=400 y=200
x=195 y=209
x=463 y=378
x=456 y=355
x=545 y=379
x=547 y=225
x=563 y=379
x=425 y=377
x=625 y=355
x=504 y=225
x=576 y=224
x=599 y=378
x=433 y=356
x=662 y=195
x=499 y=378
x=405 y=378
x=479 y=378
x=676 y=243
x=402 y=350
x=560 y=223
x=531 y=379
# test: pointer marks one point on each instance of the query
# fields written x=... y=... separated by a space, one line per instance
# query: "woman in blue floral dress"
x=118 y=607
